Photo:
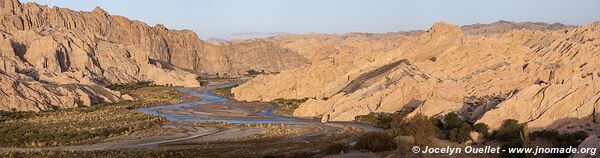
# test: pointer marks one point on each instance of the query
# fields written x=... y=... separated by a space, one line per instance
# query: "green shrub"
x=394 y=132
x=224 y=92
x=570 y=139
x=254 y=72
x=558 y=140
x=437 y=123
x=288 y=106
x=481 y=128
x=509 y=131
x=452 y=121
x=203 y=83
x=84 y=125
x=375 y=142
x=377 y=119
x=337 y=148
x=461 y=134
x=421 y=128
x=126 y=86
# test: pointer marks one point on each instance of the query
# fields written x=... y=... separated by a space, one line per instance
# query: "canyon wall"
x=544 y=76
x=57 y=58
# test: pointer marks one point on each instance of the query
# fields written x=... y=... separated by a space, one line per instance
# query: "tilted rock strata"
x=506 y=26
x=548 y=76
x=67 y=57
x=21 y=88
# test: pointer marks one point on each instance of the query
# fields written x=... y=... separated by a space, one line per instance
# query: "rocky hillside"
x=505 y=26
x=548 y=78
x=56 y=57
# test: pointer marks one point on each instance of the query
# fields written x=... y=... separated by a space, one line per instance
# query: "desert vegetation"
x=378 y=119
x=375 y=142
x=458 y=130
x=337 y=148
x=136 y=85
x=224 y=92
x=86 y=125
x=421 y=128
x=287 y=106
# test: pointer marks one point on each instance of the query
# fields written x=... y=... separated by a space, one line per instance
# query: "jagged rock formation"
x=56 y=57
x=260 y=56
x=506 y=26
x=315 y=46
x=541 y=77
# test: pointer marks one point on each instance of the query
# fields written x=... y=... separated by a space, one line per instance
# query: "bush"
x=570 y=139
x=224 y=92
x=85 y=125
x=509 y=131
x=558 y=140
x=481 y=128
x=254 y=72
x=375 y=142
x=135 y=85
x=204 y=83
x=337 y=148
x=461 y=134
x=421 y=128
x=437 y=123
x=394 y=132
x=287 y=106
x=452 y=121
x=378 y=119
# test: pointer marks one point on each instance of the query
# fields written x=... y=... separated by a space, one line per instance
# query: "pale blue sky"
x=236 y=18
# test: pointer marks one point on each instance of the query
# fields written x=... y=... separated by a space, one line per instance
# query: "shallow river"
x=265 y=116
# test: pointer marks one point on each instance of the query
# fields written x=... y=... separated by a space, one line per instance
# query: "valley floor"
x=244 y=129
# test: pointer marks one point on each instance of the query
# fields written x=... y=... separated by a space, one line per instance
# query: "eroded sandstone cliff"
x=56 y=57
x=548 y=77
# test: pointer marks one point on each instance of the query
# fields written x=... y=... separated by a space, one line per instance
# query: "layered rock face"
x=261 y=56
x=506 y=26
x=56 y=57
x=548 y=78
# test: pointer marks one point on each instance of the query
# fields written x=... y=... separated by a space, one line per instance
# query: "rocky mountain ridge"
x=59 y=58
x=541 y=76
x=503 y=26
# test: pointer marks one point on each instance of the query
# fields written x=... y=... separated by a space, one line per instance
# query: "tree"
x=461 y=134
x=452 y=121
x=375 y=142
x=481 y=128
x=421 y=128
x=509 y=131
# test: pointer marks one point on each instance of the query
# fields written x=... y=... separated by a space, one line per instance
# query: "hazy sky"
x=244 y=18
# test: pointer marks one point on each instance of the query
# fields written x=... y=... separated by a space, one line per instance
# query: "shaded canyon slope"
x=58 y=58
x=549 y=77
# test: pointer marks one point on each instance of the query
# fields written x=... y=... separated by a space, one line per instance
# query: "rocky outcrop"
x=58 y=58
x=181 y=48
x=506 y=26
x=259 y=55
x=592 y=143
x=544 y=77
x=315 y=46
x=25 y=87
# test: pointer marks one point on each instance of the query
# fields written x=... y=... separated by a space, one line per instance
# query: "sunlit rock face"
x=548 y=77
x=56 y=57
